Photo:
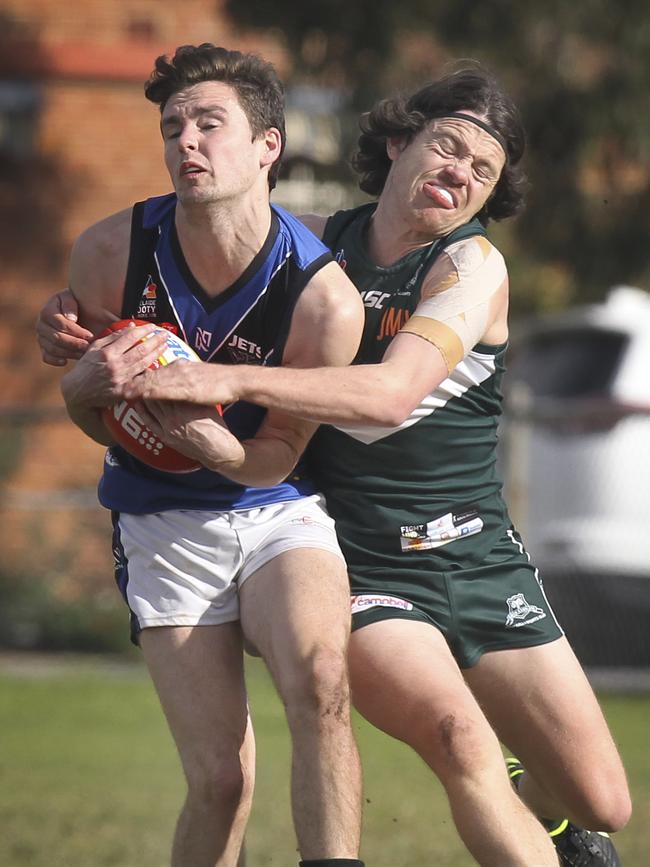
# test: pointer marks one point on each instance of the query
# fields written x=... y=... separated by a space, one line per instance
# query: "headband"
x=477 y=122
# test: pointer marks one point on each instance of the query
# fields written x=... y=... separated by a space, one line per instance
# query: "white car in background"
x=576 y=461
x=577 y=455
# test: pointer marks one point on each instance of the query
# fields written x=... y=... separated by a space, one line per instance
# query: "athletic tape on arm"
x=455 y=306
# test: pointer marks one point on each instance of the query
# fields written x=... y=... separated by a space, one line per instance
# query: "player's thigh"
x=406 y=682
x=543 y=708
x=199 y=677
x=296 y=609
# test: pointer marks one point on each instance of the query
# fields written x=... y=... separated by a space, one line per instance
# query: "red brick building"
x=78 y=141
x=87 y=61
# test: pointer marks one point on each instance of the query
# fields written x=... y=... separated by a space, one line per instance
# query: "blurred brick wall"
x=92 y=57
x=96 y=150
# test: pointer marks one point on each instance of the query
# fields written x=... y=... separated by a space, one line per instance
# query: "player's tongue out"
x=440 y=195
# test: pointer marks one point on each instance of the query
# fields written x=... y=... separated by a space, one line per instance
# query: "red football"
x=128 y=428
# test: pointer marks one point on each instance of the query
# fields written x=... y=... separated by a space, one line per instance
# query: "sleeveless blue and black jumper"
x=247 y=323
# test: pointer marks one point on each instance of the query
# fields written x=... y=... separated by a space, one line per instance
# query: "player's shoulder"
x=98 y=264
x=107 y=239
x=331 y=296
x=471 y=264
x=304 y=245
x=470 y=254
x=327 y=321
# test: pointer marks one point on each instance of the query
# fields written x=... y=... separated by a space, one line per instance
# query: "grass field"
x=89 y=777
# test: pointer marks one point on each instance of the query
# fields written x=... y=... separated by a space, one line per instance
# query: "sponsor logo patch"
x=244 y=351
x=378 y=600
x=441 y=531
x=375 y=298
x=305 y=519
x=202 y=340
x=147 y=305
x=392 y=321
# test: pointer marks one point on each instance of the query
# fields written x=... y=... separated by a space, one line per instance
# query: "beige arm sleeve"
x=454 y=310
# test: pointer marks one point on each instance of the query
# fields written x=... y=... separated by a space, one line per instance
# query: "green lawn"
x=89 y=778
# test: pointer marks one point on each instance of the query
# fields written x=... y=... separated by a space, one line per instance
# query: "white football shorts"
x=184 y=568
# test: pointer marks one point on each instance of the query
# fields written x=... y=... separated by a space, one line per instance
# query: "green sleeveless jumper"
x=418 y=508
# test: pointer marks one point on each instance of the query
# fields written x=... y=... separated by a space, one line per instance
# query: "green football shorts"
x=481 y=592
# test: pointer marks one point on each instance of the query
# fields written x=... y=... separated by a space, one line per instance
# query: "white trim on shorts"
x=185 y=567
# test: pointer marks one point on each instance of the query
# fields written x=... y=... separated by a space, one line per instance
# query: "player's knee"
x=319 y=687
x=459 y=747
x=609 y=809
x=597 y=798
x=463 y=743
x=218 y=782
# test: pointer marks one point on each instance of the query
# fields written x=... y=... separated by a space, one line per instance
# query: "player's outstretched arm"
x=379 y=394
x=465 y=301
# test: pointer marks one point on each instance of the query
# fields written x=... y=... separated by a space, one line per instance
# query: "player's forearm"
x=374 y=394
x=265 y=463
x=365 y=394
x=89 y=420
x=260 y=462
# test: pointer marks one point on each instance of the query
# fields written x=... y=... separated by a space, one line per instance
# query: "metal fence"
x=577 y=482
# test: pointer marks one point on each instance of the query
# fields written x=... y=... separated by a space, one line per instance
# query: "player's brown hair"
x=465 y=89
x=259 y=90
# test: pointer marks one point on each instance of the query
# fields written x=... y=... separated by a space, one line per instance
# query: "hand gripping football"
x=127 y=426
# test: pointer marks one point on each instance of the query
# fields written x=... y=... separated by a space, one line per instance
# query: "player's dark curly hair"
x=260 y=91
x=466 y=89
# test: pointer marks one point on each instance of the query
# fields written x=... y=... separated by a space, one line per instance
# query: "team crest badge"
x=520 y=612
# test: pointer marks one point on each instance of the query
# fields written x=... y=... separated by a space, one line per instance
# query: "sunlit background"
x=79 y=141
